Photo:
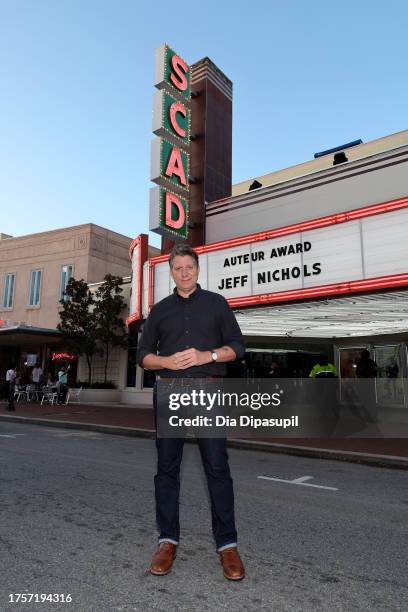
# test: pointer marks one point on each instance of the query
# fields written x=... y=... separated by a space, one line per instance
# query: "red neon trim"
x=144 y=254
x=381 y=282
x=338 y=218
x=132 y=318
x=132 y=246
x=150 y=297
x=142 y=242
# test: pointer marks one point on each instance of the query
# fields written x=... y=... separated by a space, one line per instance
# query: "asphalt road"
x=77 y=517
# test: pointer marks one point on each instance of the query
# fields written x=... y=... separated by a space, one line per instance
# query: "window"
x=66 y=274
x=35 y=288
x=8 y=294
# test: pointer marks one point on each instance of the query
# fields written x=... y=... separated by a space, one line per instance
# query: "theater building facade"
x=312 y=258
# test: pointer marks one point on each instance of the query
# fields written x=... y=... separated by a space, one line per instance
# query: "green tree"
x=78 y=321
x=110 y=327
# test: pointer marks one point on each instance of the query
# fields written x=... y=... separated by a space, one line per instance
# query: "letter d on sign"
x=173 y=200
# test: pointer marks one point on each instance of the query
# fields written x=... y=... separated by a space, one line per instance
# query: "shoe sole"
x=234 y=579
x=160 y=573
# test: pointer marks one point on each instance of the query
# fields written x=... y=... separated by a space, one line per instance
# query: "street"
x=77 y=513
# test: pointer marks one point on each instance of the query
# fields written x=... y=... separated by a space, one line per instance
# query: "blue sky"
x=77 y=86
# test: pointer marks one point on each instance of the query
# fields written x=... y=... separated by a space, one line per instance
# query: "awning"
x=355 y=316
x=20 y=334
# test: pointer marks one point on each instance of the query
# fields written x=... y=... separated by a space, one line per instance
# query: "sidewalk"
x=138 y=421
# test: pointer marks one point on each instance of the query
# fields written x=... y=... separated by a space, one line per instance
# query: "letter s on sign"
x=178 y=76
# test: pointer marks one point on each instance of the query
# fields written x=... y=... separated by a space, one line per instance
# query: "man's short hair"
x=182 y=250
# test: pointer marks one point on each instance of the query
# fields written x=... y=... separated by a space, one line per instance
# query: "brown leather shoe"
x=163 y=559
x=232 y=564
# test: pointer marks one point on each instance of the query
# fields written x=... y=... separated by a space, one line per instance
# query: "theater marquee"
x=362 y=250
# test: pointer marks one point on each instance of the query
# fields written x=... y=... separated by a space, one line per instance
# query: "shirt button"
x=186 y=331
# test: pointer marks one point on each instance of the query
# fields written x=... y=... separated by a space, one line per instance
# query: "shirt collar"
x=191 y=297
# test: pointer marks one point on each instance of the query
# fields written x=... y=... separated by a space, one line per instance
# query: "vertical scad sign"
x=170 y=153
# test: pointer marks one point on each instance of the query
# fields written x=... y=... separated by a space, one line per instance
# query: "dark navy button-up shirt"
x=203 y=321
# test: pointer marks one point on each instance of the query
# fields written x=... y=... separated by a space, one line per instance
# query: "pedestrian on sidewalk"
x=325 y=395
x=192 y=333
x=366 y=372
x=62 y=385
x=323 y=368
x=11 y=386
x=36 y=376
x=365 y=366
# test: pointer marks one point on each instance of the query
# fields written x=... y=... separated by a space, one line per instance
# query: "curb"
x=118 y=430
x=388 y=461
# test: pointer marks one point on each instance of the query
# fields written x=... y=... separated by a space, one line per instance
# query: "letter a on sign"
x=169 y=166
x=175 y=166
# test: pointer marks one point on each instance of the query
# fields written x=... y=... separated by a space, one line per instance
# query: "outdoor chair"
x=73 y=396
x=19 y=392
x=32 y=393
x=49 y=395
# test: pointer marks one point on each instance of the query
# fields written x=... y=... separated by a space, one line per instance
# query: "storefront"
x=24 y=347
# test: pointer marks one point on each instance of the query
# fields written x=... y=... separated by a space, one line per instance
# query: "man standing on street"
x=192 y=333
x=11 y=384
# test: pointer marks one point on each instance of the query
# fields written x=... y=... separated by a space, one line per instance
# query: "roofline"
x=37 y=331
x=312 y=166
x=63 y=229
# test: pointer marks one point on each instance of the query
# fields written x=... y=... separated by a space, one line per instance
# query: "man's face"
x=185 y=273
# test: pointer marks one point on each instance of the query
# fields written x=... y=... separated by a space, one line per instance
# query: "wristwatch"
x=214 y=356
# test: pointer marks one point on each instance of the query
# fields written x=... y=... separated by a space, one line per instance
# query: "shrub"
x=95 y=385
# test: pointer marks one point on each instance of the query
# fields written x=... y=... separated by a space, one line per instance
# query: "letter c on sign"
x=177 y=107
x=174 y=223
x=178 y=76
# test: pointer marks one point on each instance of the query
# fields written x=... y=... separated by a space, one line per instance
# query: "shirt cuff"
x=237 y=347
x=141 y=355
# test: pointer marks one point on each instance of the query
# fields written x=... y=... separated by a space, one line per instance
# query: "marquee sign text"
x=331 y=256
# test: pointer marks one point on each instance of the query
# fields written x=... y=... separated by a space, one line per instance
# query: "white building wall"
x=352 y=185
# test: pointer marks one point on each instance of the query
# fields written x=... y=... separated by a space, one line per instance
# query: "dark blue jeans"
x=214 y=457
x=11 y=390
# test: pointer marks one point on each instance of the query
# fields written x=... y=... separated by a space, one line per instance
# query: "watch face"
x=214 y=356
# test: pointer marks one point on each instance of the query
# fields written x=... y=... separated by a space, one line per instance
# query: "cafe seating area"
x=33 y=393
